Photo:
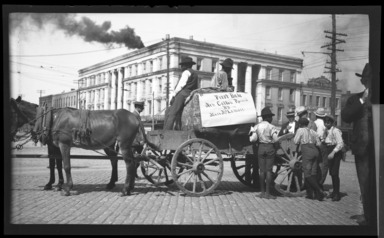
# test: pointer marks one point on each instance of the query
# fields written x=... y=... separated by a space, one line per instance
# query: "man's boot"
x=336 y=188
x=319 y=193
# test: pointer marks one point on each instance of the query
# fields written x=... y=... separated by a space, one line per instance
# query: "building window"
x=269 y=74
x=291 y=95
x=304 y=102
x=149 y=107
x=160 y=87
x=317 y=101
x=136 y=69
x=268 y=92
x=150 y=66
x=280 y=75
x=310 y=100
x=279 y=114
x=160 y=63
x=150 y=88
x=130 y=70
x=198 y=63
x=144 y=67
x=158 y=106
x=324 y=101
x=292 y=76
x=214 y=62
x=280 y=94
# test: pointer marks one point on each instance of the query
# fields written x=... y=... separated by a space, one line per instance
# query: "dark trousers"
x=173 y=114
x=334 y=167
x=323 y=163
x=366 y=175
x=309 y=154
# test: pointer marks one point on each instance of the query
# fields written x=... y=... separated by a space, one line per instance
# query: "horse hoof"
x=48 y=187
x=65 y=193
x=58 y=189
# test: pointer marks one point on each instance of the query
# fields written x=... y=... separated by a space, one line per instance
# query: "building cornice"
x=282 y=84
x=181 y=45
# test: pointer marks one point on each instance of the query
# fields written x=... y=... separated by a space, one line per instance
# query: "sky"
x=47 y=50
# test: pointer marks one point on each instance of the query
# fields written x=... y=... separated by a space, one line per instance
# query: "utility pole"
x=333 y=69
x=167 y=96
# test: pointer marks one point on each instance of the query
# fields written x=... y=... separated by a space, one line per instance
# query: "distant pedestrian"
x=265 y=134
x=334 y=143
x=308 y=140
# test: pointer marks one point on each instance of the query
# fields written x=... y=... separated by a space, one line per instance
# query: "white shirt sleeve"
x=182 y=82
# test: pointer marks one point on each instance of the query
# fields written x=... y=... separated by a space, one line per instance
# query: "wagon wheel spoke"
x=286 y=160
x=207 y=176
x=212 y=170
x=282 y=170
x=289 y=181
x=240 y=167
x=200 y=150
x=202 y=183
x=184 y=172
x=185 y=165
x=189 y=178
x=207 y=154
x=194 y=183
x=211 y=161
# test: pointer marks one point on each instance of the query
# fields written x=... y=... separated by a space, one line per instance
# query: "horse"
x=106 y=127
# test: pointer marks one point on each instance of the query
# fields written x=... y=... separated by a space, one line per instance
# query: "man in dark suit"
x=358 y=109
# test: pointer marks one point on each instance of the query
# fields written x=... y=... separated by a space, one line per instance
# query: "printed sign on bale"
x=222 y=109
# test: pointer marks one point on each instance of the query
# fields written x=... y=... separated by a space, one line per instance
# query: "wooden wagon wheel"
x=157 y=169
x=246 y=169
x=289 y=177
x=197 y=167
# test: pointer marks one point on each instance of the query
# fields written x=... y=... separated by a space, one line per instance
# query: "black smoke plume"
x=84 y=28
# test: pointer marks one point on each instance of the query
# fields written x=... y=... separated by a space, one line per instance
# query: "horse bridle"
x=20 y=114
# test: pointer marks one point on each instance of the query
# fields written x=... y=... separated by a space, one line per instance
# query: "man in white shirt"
x=187 y=83
x=323 y=159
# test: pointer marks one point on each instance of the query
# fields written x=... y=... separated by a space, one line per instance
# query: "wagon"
x=193 y=157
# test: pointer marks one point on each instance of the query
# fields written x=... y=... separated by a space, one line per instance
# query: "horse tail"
x=144 y=136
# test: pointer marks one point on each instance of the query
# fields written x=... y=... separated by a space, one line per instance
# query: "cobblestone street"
x=232 y=203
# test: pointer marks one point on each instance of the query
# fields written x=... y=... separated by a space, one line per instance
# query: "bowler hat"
x=187 y=60
x=266 y=112
x=228 y=63
x=320 y=112
x=366 y=74
x=290 y=113
x=366 y=71
x=137 y=103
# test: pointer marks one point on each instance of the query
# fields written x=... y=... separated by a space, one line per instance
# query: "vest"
x=192 y=81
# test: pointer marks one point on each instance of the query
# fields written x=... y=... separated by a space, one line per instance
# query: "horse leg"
x=59 y=165
x=114 y=176
x=65 y=153
x=130 y=166
x=52 y=161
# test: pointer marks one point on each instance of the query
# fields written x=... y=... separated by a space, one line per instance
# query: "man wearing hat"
x=323 y=160
x=302 y=112
x=358 y=110
x=187 y=83
x=265 y=134
x=308 y=140
x=223 y=79
x=334 y=144
x=291 y=125
x=137 y=144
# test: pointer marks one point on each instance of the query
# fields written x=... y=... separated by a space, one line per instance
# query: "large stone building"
x=141 y=75
x=64 y=99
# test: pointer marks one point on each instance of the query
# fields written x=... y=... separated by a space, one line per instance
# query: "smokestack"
x=85 y=28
